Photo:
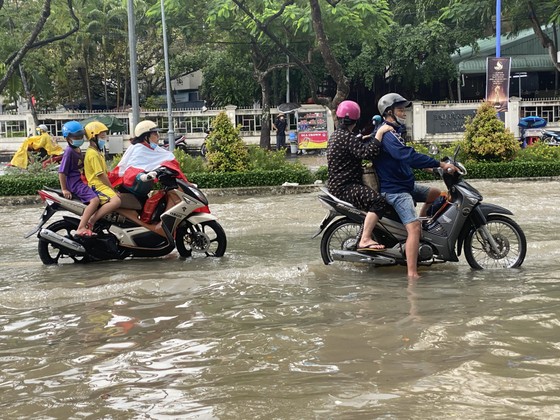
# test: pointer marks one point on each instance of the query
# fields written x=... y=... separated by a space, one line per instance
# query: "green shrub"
x=486 y=137
x=226 y=150
x=255 y=178
x=263 y=159
x=322 y=173
x=190 y=164
x=27 y=184
x=539 y=152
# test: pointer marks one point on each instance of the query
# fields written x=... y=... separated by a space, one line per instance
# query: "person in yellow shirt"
x=95 y=170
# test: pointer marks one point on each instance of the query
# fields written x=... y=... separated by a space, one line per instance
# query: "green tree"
x=226 y=150
x=486 y=137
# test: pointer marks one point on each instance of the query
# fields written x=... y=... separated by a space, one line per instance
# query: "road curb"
x=210 y=192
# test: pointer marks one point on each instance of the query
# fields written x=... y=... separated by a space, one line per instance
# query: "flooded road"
x=268 y=331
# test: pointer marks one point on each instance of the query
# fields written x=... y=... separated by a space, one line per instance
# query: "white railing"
x=427 y=121
x=14 y=128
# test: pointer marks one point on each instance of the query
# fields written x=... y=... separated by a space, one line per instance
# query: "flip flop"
x=373 y=247
x=86 y=234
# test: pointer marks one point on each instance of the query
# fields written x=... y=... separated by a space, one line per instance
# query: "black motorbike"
x=489 y=237
x=550 y=137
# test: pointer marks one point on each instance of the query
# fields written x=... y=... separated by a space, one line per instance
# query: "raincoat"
x=44 y=141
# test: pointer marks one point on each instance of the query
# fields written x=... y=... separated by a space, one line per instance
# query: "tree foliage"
x=226 y=150
x=486 y=137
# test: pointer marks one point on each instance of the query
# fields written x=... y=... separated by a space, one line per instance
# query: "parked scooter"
x=177 y=216
x=550 y=137
x=180 y=143
x=488 y=236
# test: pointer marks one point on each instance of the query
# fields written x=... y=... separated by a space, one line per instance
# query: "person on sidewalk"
x=280 y=125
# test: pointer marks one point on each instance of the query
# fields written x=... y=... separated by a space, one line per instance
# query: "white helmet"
x=145 y=127
x=43 y=127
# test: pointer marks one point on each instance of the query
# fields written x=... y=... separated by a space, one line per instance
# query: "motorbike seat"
x=129 y=201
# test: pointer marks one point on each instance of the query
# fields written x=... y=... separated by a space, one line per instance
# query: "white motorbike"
x=177 y=216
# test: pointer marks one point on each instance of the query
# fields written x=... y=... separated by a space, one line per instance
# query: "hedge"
x=515 y=169
x=17 y=185
x=14 y=185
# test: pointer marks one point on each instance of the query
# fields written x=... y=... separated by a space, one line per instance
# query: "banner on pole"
x=497 y=82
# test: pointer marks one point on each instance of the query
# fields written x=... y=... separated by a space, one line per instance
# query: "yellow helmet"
x=94 y=128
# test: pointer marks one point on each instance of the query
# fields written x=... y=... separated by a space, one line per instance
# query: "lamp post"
x=133 y=69
x=498 y=27
x=170 y=132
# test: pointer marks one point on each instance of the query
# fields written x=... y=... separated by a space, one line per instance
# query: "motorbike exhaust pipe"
x=51 y=236
x=358 y=257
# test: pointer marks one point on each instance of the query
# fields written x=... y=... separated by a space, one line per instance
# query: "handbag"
x=369 y=177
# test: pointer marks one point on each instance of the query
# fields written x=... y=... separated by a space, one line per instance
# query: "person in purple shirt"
x=70 y=176
x=394 y=166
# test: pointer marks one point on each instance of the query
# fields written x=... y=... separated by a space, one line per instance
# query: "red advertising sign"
x=312 y=139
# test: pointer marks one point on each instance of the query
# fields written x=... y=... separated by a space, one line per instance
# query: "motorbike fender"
x=477 y=218
x=493 y=209
x=329 y=217
x=198 y=218
x=47 y=214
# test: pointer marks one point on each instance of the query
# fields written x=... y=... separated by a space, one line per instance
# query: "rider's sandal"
x=374 y=246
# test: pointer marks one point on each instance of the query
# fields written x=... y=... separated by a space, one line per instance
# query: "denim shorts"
x=403 y=203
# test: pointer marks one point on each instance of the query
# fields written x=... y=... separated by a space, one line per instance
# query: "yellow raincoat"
x=43 y=141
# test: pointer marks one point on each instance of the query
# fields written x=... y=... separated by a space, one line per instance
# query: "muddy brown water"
x=268 y=331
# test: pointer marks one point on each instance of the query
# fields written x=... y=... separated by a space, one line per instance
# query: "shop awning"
x=523 y=63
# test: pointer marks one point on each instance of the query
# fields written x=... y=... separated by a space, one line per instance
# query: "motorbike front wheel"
x=206 y=239
x=52 y=253
x=510 y=239
x=343 y=235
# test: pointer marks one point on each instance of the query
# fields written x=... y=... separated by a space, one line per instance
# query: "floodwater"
x=269 y=332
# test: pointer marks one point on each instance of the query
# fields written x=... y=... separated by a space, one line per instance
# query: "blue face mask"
x=153 y=145
x=77 y=143
x=101 y=144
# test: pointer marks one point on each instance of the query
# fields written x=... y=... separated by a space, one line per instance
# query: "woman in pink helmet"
x=345 y=154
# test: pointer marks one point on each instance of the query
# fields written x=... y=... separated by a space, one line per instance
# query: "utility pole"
x=133 y=68
x=170 y=132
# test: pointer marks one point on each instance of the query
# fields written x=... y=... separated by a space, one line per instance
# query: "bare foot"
x=413 y=276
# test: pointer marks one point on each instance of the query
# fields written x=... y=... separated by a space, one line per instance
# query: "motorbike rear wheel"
x=52 y=253
x=341 y=235
x=509 y=237
x=206 y=239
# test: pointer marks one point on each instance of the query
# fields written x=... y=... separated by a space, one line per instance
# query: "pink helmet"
x=348 y=109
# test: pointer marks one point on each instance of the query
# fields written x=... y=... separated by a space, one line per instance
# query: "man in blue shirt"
x=394 y=166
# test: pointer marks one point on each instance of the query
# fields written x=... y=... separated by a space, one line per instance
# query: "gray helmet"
x=390 y=100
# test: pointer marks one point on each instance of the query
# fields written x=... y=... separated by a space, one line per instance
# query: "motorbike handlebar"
x=149 y=176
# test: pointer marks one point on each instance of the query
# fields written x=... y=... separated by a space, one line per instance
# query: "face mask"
x=77 y=143
x=401 y=121
x=153 y=145
x=101 y=143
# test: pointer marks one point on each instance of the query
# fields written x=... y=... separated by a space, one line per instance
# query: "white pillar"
x=230 y=112
x=418 y=121
x=512 y=116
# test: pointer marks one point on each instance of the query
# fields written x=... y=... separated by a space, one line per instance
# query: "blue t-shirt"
x=395 y=163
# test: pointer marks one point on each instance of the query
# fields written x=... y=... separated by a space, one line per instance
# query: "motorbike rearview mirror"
x=433 y=149
x=456 y=152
